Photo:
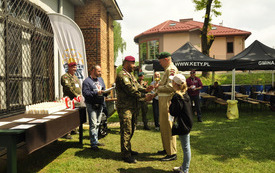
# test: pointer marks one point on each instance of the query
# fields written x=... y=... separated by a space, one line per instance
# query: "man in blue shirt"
x=93 y=91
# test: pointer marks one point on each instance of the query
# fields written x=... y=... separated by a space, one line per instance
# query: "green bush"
x=241 y=78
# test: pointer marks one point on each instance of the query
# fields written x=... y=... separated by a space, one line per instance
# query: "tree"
x=119 y=43
x=207 y=40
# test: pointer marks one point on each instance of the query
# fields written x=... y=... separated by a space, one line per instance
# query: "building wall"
x=111 y=56
x=52 y=4
x=173 y=41
x=195 y=39
x=68 y=9
x=88 y=19
x=96 y=25
x=104 y=43
x=218 y=48
x=239 y=44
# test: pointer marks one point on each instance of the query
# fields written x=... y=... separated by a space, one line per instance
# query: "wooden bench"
x=254 y=102
x=260 y=101
x=220 y=101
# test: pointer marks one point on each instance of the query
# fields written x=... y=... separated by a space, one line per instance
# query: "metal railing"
x=26 y=56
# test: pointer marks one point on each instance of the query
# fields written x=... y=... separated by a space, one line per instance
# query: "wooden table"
x=39 y=135
x=207 y=96
x=269 y=93
x=237 y=95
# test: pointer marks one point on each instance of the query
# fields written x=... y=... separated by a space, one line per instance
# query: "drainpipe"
x=60 y=6
x=60 y=11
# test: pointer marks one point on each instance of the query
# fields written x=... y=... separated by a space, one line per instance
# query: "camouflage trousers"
x=144 y=109
x=128 y=122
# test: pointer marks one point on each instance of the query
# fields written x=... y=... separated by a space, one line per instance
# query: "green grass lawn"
x=218 y=145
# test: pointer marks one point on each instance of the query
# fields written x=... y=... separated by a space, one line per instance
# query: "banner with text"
x=70 y=42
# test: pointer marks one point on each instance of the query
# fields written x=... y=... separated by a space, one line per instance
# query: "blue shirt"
x=90 y=88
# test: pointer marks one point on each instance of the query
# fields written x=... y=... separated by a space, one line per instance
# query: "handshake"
x=149 y=97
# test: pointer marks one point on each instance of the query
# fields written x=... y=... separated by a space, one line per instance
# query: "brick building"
x=26 y=37
x=95 y=19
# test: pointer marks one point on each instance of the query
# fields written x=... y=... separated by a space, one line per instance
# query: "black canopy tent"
x=188 y=57
x=255 y=57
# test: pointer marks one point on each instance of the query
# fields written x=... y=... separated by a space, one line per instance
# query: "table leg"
x=81 y=134
x=11 y=156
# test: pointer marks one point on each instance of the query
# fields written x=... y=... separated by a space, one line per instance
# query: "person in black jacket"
x=181 y=113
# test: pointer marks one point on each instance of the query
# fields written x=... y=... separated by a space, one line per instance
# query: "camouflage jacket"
x=71 y=85
x=165 y=86
x=129 y=91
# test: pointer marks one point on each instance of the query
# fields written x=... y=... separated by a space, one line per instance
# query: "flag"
x=70 y=43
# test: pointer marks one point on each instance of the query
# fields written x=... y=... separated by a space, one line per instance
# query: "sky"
x=254 y=16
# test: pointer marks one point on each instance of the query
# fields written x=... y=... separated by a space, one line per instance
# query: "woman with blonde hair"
x=181 y=111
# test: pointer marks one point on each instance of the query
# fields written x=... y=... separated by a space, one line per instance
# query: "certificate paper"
x=62 y=113
x=52 y=116
x=39 y=121
x=23 y=120
x=4 y=123
x=109 y=89
x=22 y=127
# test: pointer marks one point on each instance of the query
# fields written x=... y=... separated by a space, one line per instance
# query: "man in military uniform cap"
x=70 y=82
x=164 y=91
x=129 y=93
x=71 y=86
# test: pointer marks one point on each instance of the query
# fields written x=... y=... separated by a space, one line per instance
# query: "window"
x=148 y=50
x=26 y=56
x=153 y=48
x=230 y=47
x=143 y=51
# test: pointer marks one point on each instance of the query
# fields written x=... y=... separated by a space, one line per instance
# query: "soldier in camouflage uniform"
x=129 y=92
x=71 y=87
x=70 y=82
x=165 y=91
x=143 y=104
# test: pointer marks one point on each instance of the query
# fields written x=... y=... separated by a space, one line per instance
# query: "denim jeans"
x=156 y=112
x=185 y=144
x=196 y=100
x=94 y=116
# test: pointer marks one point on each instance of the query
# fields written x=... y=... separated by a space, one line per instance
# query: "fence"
x=26 y=56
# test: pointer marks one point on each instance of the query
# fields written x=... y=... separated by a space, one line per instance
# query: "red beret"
x=72 y=64
x=129 y=58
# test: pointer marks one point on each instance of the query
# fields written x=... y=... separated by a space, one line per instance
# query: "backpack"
x=183 y=120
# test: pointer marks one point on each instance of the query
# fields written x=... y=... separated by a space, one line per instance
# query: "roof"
x=188 y=25
x=113 y=9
